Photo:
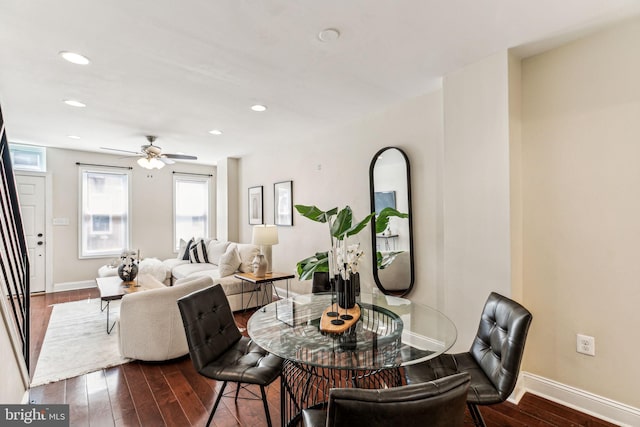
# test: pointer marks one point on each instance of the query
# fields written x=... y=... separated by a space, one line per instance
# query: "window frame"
x=40 y=152
x=192 y=178
x=127 y=243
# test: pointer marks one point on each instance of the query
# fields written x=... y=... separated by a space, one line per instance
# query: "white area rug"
x=76 y=342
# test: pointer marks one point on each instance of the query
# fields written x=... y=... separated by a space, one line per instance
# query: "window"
x=190 y=208
x=104 y=213
x=28 y=157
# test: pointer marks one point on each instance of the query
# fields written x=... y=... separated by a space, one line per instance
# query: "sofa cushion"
x=198 y=252
x=215 y=249
x=247 y=253
x=183 y=252
x=171 y=263
x=229 y=262
x=183 y=270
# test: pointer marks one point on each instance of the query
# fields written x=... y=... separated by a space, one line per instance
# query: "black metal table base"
x=305 y=386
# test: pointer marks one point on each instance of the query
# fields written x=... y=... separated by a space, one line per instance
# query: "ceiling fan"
x=151 y=156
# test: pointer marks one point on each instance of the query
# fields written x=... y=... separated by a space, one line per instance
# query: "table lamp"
x=265 y=236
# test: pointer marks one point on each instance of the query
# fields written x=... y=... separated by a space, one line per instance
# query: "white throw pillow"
x=229 y=262
x=247 y=253
x=183 y=252
x=198 y=252
x=215 y=249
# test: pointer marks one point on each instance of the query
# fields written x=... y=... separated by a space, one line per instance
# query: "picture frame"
x=283 y=203
x=255 y=206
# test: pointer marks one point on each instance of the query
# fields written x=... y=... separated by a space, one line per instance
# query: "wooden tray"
x=328 y=327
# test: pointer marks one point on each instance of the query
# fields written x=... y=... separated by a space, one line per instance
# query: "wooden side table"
x=268 y=279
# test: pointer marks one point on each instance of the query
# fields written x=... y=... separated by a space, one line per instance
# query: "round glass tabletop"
x=391 y=332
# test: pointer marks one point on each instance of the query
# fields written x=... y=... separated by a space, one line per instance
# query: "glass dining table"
x=391 y=333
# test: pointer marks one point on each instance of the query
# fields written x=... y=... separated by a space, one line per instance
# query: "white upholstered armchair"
x=150 y=325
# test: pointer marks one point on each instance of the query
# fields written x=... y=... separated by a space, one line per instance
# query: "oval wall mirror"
x=390 y=186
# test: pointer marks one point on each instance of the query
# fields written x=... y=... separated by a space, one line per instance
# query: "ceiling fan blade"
x=166 y=160
x=122 y=151
x=180 y=156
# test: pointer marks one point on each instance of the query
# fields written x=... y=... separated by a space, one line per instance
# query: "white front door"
x=31 y=193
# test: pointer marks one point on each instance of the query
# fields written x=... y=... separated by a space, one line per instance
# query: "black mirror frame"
x=373 y=226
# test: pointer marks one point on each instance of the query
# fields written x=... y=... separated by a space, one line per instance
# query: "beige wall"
x=477 y=246
x=581 y=148
x=152 y=210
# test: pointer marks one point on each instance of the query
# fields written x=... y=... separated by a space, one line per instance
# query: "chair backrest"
x=208 y=324
x=434 y=403
x=499 y=343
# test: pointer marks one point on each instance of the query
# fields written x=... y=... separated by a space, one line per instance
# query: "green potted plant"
x=341 y=226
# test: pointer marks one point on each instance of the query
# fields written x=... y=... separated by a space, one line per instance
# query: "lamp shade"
x=265 y=235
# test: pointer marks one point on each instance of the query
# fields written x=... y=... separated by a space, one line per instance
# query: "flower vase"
x=347 y=290
x=128 y=274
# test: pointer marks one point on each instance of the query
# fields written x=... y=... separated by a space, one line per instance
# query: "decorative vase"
x=259 y=266
x=347 y=290
x=128 y=276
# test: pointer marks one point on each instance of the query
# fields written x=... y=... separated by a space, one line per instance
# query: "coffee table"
x=113 y=288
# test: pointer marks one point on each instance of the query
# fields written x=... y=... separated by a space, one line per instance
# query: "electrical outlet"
x=586 y=345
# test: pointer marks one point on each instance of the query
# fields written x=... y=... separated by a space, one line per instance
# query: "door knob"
x=40 y=243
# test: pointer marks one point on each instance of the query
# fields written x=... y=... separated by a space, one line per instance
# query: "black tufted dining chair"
x=438 y=403
x=217 y=348
x=493 y=360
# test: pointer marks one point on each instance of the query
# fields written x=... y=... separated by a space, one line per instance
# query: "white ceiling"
x=179 y=69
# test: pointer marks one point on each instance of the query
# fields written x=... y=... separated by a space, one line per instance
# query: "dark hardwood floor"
x=174 y=394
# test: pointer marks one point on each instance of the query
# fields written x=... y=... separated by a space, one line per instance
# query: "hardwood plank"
x=191 y=405
x=48 y=393
x=142 y=396
x=167 y=402
x=76 y=397
x=124 y=411
x=531 y=403
x=100 y=413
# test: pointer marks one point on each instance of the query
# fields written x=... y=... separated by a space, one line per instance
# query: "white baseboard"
x=72 y=286
x=583 y=401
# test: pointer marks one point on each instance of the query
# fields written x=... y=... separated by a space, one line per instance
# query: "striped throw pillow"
x=183 y=252
x=198 y=252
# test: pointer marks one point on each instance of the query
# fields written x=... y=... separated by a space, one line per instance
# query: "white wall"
x=152 y=211
x=13 y=371
x=334 y=172
x=581 y=147
x=477 y=246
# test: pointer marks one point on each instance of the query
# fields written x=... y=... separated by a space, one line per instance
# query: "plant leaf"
x=359 y=226
x=382 y=221
x=314 y=213
x=308 y=266
x=342 y=223
x=385 y=260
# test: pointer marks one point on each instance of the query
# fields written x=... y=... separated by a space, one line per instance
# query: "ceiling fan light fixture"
x=150 y=163
x=259 y=107
x=213 y=132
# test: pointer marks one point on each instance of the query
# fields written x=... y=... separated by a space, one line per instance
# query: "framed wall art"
x=283 y=203
x=256 y=210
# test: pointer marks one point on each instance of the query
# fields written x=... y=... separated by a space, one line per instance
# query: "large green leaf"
x=308 y=266
x=359 y=226
x=382 y=220
x=342 y=223
x=314 y=213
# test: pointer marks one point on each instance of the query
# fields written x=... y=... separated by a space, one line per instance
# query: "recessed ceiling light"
x=75 y=58
x=74 y=103
x=215 y=132
x=73 y=136
x=259 y=107
x=329 y=35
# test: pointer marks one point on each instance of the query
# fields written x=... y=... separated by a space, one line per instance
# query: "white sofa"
x=150 y=325
x=225 y=259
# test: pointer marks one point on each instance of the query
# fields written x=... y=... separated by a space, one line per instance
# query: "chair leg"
x=237 y=390
x=478 y=421
x=215 y=405
x=266 y=405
